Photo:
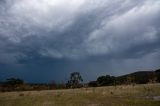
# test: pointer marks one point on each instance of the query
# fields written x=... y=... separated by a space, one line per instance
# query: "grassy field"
x=138 y=95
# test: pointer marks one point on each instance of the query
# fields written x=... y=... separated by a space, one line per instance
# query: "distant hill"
x=158 y=70
x=140 y=77
x=158 y=75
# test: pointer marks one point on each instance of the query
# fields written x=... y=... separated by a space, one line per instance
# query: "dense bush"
x=93 y=84
x=105 y=80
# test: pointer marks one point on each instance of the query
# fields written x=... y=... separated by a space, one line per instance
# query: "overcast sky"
x=44 y=40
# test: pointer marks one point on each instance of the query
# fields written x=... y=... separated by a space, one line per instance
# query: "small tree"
x=158 y=75
x=106 y=80
x=14 y=83
x=75 y=79
x=92 y=84
x=152 y=77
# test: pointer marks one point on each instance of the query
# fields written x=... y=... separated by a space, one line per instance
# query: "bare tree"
x=75 y=79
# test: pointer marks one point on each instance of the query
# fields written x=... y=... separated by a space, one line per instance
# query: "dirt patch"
x=94 y=105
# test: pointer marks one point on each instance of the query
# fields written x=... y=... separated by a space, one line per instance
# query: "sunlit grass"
x=138 y=95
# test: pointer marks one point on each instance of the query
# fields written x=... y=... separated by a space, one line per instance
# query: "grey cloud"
x=81 y=31
x=97 y=28
x=129 y=29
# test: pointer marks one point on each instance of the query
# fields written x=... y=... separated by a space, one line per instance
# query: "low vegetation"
x=135 y=89
x=124 y=95
x=75 y=81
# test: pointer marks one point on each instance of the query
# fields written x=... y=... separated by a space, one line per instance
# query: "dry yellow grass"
x=138 y=95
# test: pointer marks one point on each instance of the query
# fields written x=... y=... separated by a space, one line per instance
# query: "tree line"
x=141 y=77
x=17 y=84
x=76 y=81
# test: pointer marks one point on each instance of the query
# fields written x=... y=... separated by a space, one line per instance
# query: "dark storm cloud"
x=93 y=36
